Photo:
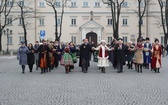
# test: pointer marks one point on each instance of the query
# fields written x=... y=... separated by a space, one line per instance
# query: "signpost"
x=42 y=34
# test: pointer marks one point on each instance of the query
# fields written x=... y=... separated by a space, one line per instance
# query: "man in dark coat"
x=113 y=54
x=85 y=50
x=120 y=49
x=57 y=54
x=43 y=56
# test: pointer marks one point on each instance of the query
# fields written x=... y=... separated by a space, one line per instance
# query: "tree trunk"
x=24 y=26
x=56 y=25
x=0 y=41
x=139 y=23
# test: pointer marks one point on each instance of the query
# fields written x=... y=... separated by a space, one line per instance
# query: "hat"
x=102 y=41
x=120 y=39
x=22 y=42
x=147 y=38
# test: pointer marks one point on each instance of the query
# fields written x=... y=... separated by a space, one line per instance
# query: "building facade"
x=83 y=19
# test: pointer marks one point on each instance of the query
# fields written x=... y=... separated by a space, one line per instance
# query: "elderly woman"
x=22 y=56
x=103 y=60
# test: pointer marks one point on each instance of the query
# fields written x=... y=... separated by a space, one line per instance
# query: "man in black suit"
x=85 y=50
x=120 y=49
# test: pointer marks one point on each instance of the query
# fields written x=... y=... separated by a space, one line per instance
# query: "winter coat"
x=30 y=56
x=22 y=55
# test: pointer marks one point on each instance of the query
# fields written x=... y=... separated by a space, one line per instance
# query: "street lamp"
x=7 y=32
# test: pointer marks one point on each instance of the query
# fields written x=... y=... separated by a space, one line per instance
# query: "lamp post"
x=7 y=32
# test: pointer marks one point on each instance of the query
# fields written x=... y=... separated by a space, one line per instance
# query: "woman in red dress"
x=156 y=56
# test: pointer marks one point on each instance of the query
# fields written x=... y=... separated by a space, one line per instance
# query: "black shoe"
x=118 y=71
x=85 y=72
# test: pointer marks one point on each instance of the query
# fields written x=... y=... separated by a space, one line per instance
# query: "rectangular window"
x=21 y=3
x=85 y=4
x=164 y=3
x=41 y=4
x=164 y=21
x=9 y=3
x=73 y=39
x=162 y=40
x=9 y=21
x=124 y=39
x=73 y=4
x=125 y=4
x=141 y=22
x=58 y=21
x=73 y=21
x=9 y=40
x=110 y=21
x=97 y=4
x=21 y=39
x=125 y=22
x=41 y=22
x=20 y=21
x=110 y=39
x=57 y=4
x=141 y=4
x=133 y=38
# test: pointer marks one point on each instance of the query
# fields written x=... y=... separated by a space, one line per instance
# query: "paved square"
x=77 y=88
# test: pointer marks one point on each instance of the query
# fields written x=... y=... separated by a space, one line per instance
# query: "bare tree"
x=53 y=4
x=5 y=9
x=25 y=10
x=142 y=6
x=115 y=6
x=164 y=20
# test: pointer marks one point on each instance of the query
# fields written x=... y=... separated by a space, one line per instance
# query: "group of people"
x=143 y=54
x=49 y=55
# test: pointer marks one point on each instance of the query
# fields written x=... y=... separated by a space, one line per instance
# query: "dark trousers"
x=30 y=67
x=114 y=61
x=120 y=66
x=37 y=61
x=85 y=65
x=23 y=68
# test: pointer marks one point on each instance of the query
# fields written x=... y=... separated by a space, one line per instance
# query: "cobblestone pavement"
x=77 y=88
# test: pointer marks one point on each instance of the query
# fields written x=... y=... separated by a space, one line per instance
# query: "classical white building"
x=83 y=19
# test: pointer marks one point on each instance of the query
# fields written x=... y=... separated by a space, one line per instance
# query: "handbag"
x=95 y=56
x=74 y=57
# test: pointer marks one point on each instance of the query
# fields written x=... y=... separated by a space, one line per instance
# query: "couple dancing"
x=102 y=49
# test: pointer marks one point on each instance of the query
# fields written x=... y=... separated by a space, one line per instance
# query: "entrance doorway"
x=91 y=36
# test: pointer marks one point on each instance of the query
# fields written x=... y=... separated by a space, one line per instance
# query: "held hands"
x=54 y=50
x=93 y=48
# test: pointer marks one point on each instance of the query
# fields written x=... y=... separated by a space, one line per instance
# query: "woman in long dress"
x=103 y=60
x=156 y=56
x=139 y=56
x=67 y=60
